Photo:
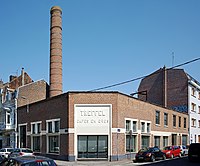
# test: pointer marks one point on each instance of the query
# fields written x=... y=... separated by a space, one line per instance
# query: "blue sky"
x=104 y=41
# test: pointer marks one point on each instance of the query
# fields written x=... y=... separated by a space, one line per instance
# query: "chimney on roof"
x=22 y=75
x=56 y=51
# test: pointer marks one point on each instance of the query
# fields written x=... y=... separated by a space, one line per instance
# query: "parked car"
x=194 y=152
x=21 y=152
x=149 y=154
x=184 y=150
x=172 y=151
x=29 y=161
x=5 y=152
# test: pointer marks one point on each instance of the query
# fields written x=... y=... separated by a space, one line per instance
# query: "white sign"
x=92 y=119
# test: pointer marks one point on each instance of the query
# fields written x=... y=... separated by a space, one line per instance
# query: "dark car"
x=150 y=154
x=29 y=161
x=194 y=152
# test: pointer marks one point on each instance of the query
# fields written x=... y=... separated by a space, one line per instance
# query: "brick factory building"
x=98 y=125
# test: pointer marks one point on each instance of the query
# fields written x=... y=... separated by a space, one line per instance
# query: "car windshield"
x=167 y=148
x=143 y=150
x=9 y=150
x=27 y=150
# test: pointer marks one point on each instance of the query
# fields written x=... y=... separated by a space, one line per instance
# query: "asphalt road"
x=183 y=161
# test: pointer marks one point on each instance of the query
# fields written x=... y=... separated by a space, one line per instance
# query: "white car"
x=184 y=150
x=5 y=152
x=21 y=152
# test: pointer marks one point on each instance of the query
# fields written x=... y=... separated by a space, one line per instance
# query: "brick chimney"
x=56 y=51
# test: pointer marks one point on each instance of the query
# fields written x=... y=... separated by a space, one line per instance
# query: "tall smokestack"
x=56 y=51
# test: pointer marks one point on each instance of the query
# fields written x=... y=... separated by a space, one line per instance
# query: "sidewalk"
x=96 y=163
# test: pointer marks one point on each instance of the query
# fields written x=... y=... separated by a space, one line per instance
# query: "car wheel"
x=172 y=156
x=164 y=157
x=153 y=158
x=179 y=155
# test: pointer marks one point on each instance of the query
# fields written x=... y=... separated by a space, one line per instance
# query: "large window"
x=130 y=143
x=53 y=128
x=35 y=134
x=92 y=146
x=145 y=141
x=157 y=117
x=36 y=143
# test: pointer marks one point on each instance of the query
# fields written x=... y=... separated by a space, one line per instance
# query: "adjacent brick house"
x=20 y=90
x=98 y=125
x=175 y=89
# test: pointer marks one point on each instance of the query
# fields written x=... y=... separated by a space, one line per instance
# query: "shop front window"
x=92 y=146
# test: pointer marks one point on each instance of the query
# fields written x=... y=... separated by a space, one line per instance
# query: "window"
x=179 y=121
x=57 y=126
x=199 y=109
x=193 y=107
x=148 y=127
x=165 y=119
x=128 y=125
x=193 y=92
x=174 y=120
x=35 y=128
x=199 y=95
x=143 y=127
x=134 y=126
x=92 y=146
x=193 y=122
x=50 y=127
x=199 y=123
x=185 y=123
x=145 y=141
x=130 y=143
x=53 y=144
x=157 y=117
x=8 y=118
x=157 y=141
x=36 y=143
x=53 y=126
x=165 y=141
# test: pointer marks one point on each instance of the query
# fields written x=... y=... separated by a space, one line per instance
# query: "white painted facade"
x=194 y=110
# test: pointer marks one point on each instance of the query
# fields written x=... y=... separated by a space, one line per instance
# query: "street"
x=183 y=161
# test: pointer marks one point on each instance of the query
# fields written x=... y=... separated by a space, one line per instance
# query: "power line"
x=135 y=79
